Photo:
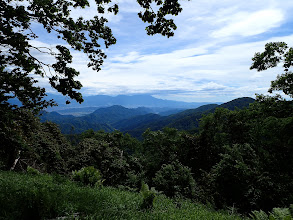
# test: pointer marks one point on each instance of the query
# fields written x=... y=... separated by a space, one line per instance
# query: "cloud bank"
x=208 y=59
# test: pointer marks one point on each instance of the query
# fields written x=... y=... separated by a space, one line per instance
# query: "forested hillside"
x=101 y=119
x=187 y=120
x=238 y=158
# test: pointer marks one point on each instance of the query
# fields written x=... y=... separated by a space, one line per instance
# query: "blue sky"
x=208 y=59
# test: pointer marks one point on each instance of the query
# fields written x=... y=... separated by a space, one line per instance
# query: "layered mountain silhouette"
x=136 y=120
x=128 y=101
x=101 y=119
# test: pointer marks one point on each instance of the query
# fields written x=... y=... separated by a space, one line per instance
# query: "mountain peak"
x=237 y=103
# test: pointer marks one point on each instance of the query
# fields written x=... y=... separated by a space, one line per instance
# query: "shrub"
x=275 y=214
x=280 y=214
x=175 y=180
x=148 y=196
x=88 y=176
x=32 y=171
x=105 y=155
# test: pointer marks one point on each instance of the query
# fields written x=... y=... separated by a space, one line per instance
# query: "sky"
x=208 y=59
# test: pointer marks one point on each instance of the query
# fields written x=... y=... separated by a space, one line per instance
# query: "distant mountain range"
x=185 y=120
x=136 y=120
x=91 y=103
x=102 y=118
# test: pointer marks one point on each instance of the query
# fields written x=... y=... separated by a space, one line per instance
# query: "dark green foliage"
x=109 y=160
x=136 y=121
x=157 y=20
x=16 y=126
x=166 y=156
x=148 y=196
x=48 y=197
x=27 y=142
x=29 y=197
x=31 y=171
x=275 y=53
x=250 y=155
x=238 y=177
x=223 y=127
x=159 y=147
x=110 y=153
x=88 y=176
x=270 y=57
x=275 y=214
x=19 y=53
x=240 y=159
x=175 y=180
x=78 y=125
x=239 y=103
x=48 y=150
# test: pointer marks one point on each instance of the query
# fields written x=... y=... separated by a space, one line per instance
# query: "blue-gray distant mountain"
x=128 y=101
x=136 y=121
x=110 y=115
x=75 y=111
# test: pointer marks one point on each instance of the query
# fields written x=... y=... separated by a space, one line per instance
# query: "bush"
x=88 y=176
x=104 y=154
x=275 y=214
x=32 y=171
x=148 y=196
x=175 y=180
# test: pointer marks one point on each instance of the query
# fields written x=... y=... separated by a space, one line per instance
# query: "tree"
x=25 y=141
x=275 y=53
x=175 y=179
x=18 y=65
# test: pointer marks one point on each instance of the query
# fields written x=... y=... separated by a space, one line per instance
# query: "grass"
x=26 y=196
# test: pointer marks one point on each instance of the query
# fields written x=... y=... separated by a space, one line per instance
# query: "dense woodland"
x=241 y=158
x=226 y=157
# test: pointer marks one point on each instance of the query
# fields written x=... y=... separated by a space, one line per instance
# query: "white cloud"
x=221 y=73
x=249 y=24
x=130 y=57
x=207 y=60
